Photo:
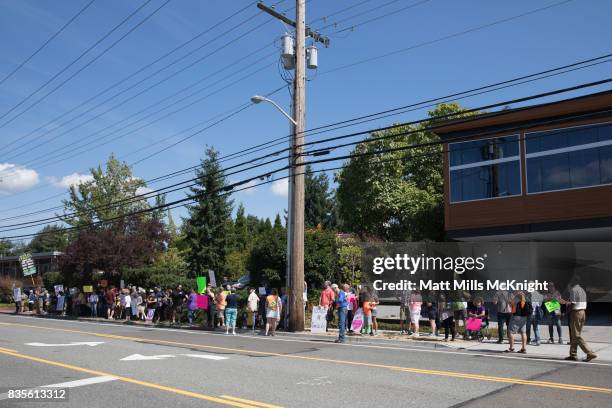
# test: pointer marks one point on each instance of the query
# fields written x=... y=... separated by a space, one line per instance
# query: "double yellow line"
x=454 y=374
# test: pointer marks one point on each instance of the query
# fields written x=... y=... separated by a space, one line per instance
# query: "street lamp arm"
x=257 y=99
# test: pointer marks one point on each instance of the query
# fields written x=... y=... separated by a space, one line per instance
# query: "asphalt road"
x=130 y=366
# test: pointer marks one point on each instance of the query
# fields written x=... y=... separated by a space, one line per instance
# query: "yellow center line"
x=246 y=401
x=8 y=349
x=135 y=381
x=454 y=374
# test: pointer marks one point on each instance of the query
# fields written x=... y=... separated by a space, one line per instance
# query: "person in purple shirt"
x=192 y=306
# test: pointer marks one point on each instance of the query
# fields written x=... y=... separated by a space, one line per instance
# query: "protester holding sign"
x=553 y=307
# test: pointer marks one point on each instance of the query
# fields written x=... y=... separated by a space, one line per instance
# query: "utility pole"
x=295 y=224
x=296 y=300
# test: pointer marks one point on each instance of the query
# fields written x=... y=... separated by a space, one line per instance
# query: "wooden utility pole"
x=296 y=300
x=295 y=227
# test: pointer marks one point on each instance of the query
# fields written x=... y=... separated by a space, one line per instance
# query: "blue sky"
x=35 y=175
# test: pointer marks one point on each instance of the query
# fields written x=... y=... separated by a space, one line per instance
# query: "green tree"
x=50 y=238
x=349 y=260
x=208 y=226
x=111 y=193
x=396 y=195
x=242 y=236
x=318 y=200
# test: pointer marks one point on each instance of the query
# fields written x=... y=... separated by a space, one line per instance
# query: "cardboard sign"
x=58 y=288
x=201 y=282
x=211 y=277
x=87 y=288
x=319 y=321
x=17 y=294
x=202 y=302
x=357 y=323
x=552 y=305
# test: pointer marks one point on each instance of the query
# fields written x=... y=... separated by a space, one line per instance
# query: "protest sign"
x=150 y=314
x=262 y=291
x=87 y=288
x=59 y=307
x=202 y=302
x=357 y=323
x=201 y=282
x=211 y=278
x=552 y=305
x=16 y=294
x=58 y=288
x=27 y=264
x=319 y=321
x=473 y=324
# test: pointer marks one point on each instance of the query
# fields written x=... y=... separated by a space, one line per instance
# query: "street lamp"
x=258 y=99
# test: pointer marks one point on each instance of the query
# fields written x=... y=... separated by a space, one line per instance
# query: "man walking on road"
x=342 y=303
x=577 y=302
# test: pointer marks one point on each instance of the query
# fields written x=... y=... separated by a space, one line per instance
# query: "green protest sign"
x=27 y=264
x=552 y=305
x=201 y=281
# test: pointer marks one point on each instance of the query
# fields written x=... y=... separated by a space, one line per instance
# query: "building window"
x=484 y=168
x=569 y=158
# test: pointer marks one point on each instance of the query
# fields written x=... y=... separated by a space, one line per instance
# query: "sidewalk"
x=598 y=337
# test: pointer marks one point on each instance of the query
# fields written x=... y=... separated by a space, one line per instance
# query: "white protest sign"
x=58 y=288
x=318 y=322
x=357 y=323
x=211 y=278
x=262 y=291
x=16 y=294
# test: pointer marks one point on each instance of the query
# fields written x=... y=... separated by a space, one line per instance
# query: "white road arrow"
x=74 y=343
x=206 y=356
x=136 y=357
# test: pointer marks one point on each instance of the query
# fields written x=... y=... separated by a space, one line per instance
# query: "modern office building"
x=537 y=173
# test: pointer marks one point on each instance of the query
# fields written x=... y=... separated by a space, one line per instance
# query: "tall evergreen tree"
x=319 y=203
x=242 y=238
x=207 y=227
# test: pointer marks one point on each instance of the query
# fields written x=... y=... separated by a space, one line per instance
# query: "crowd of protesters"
x=457 y=313
x=517 y=313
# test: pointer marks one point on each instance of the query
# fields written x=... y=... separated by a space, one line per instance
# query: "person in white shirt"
x=577 y=303
x=253 y=305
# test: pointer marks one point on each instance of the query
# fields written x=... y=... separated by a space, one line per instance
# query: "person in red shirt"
x=327 y=301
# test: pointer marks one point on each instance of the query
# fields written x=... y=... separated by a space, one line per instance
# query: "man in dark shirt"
x=178 y=298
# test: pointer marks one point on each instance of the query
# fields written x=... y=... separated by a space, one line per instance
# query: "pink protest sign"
x=357 y=320
x=473 y=324
x=202 y=302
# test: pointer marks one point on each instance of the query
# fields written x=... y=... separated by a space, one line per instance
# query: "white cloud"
x=15 y=178
x=70 y=180
x=280 y=187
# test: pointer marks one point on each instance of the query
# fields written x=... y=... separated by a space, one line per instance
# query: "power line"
x=377 y=139
x=39 y=49
x=229 y=189
x=104 y=37
x=446 y=37
x=148 y=88
x=133 y=74
x=386 y=113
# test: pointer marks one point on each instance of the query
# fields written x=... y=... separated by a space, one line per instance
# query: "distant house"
x=44 y=261
x=541 y=172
